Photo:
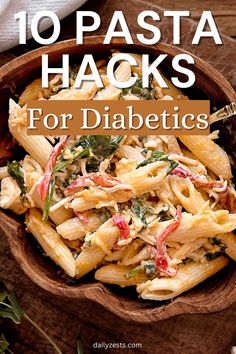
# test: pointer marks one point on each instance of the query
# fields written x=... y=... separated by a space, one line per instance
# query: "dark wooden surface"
x=194 y=334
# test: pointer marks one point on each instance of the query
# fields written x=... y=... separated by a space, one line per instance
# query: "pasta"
x=187 y=277
x=156 y=212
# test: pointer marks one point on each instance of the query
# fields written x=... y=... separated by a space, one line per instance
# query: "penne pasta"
x=110 y=92
x=10 y=197
x=147 y=178
x=187 y=277
x=211 y=154
x=50 y=241
x=187 y=195
x=3 y=172
x=116 y=274
x=36 y=145
x=58 y=216
x=229 y=239
x=73 y=229
x=101 y=244
x=192 y=227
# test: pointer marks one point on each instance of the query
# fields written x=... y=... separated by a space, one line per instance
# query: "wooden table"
x=206 y=334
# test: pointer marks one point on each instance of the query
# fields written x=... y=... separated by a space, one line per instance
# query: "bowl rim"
x=179 y=305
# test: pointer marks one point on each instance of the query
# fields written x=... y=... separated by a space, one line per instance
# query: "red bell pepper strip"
x=44 y=183
x=227 y=200
x=101 y=179
x=83 y=217
x=122 y=225
x=197 y=180
x=161 y=252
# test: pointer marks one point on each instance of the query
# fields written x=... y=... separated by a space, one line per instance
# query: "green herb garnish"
x=62 y=163
x=172 y=166
x=210 y=256
x=48 y=201
x=100 y=147
x=159 y=156
x=216 y=241
x=134 y=272
x=148 y=267
x=140 y=211
x=147 y=93
x=156 y=156
x=163 y=214
x=15 y=171
x=11 y=308
x=103 y=213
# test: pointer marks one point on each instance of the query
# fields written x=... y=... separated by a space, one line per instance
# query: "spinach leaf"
x=14 y=170
x=222 y=246
x=159 y=156
x=210 y=256
x=147 y=93
x=62 y=163
x=96 y=148
x=101 y=146
x=140 y=211
x=156 y=156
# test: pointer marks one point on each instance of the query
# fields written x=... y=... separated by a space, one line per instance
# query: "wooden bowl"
x=214 y=294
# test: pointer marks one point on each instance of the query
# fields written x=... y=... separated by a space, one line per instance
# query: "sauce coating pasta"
x=156 y=212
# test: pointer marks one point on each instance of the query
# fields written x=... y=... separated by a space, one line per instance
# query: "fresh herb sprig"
x=11 y=308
